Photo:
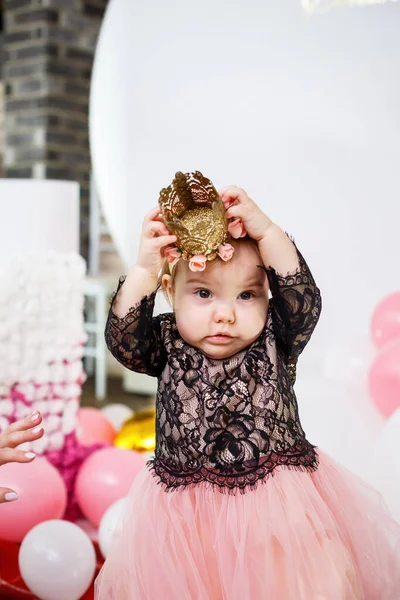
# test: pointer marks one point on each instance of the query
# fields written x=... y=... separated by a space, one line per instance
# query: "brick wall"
x=1 y=128
x=1 y=94
x=47 y=60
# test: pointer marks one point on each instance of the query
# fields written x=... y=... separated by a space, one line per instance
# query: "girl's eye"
x=246 y=296
x=203 y=294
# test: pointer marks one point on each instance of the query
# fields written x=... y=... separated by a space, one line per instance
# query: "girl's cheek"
x=198 y=302
x=255 y=312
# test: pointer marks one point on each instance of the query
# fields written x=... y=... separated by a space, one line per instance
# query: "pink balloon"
x=94 y=427
x=384 y=378
x=42 y=495
x=385 y=323
x=104 y=478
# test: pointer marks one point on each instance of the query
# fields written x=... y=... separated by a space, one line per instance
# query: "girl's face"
x=222 y=309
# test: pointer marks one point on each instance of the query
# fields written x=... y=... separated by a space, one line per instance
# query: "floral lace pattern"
x=228 y=422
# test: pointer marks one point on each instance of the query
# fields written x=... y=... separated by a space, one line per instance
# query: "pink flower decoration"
x=225 y=251
x=198 y=262
x=236 y=229
x=172 y=255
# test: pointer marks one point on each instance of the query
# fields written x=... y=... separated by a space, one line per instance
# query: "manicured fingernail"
x=10 y=496
x=34 y=415
x=37 y=429
x=30 y=454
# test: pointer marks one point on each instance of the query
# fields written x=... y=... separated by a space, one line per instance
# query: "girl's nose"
x=224 y=313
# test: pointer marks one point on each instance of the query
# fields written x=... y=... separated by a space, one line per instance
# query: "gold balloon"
x=139 y=432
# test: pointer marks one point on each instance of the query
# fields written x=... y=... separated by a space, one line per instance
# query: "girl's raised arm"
x=296 y=300
x=132 y=334
x=142 y=278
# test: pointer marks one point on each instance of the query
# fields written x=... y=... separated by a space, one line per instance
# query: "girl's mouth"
x=220 y=338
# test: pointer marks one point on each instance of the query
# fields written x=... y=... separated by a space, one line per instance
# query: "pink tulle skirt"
x=299 y=536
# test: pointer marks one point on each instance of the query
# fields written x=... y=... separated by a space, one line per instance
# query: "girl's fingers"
x=230 y=190
x=163 y=240
x=225 y=188
x=234 y=211
x=227 y=202
x=152 y=214
x=12 y=439
x=155 y=229
x=7 y=495
x=8 y=455
x=232 y=194
x=153 y=224
x=155 y=215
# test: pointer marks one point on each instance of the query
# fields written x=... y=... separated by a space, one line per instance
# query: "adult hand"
x=25 y=430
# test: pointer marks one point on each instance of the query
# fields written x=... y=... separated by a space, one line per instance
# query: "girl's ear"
x=166 y=281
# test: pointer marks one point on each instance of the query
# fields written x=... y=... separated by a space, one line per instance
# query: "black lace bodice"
x=229 y=422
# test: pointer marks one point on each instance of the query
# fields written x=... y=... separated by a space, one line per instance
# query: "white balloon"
x=386 y=463
x=117 y=414
x=108 y=524
x=57 y=561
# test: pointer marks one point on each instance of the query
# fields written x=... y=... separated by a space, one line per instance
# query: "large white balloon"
x=108 y=524
x=57 y=561
x=295 y=109
x=315 y=6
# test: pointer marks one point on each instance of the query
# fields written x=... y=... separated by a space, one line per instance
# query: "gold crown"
x=193 y=211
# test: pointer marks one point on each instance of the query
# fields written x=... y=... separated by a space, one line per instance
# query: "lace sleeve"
x=135 y=339
x=295 y=308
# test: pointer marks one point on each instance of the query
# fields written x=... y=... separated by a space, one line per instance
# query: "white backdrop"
x=303 y=112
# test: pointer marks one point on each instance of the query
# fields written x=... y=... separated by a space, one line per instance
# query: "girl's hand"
x=25 y=430
x=240 y=206
x=154 y=237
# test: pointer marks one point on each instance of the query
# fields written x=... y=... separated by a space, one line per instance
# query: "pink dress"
x=237 y=504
